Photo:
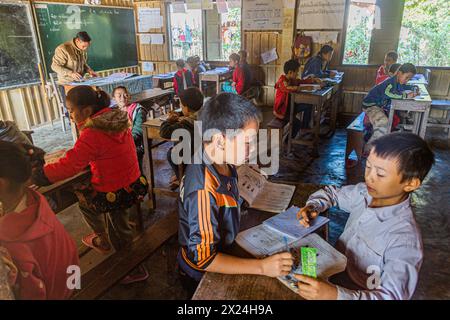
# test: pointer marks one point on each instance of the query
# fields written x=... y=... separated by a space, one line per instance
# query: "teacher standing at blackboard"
x=70 y=59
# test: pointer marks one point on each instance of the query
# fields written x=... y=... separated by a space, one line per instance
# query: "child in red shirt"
x=241 y=76
x=286 y=84
x=183 y=78
x=37 y=248
x=383 y=71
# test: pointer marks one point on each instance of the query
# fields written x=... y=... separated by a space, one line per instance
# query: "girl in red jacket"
x=34 y=244
x=106 y=145
x=241 y=75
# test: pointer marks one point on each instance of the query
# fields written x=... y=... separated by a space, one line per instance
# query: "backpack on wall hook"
x=302 y=46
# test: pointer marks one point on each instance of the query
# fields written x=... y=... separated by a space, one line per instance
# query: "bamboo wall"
x=28 y=106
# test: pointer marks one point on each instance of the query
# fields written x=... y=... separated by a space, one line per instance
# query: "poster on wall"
x=262 y=15
x=320 y=14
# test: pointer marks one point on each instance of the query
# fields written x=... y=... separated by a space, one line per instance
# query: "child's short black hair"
x=227 y=111
x=326 y=49
x=235 y=57
x=412 y=153
x=393 y=55
x=192 y=98
x=120 y=88
x=85 y=96
x=15 y=163
x=83 y=36
x=291 y=65
x=180 y=63
x=408 y=68
x=394 y=67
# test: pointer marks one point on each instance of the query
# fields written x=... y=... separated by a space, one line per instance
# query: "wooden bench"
x=110 y=271
x=280 y=126
x=442 y=105
x=355 y=141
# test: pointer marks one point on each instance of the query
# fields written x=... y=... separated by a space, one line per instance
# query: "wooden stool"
x=355 y=141
x=279 y=125
x=442 y=105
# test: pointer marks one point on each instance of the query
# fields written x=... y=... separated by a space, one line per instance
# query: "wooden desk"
x=217 y=75
x=57 y=188
x=150 y=130
x=318 y=100
x=419 y=105
x=163 y=81
x=148 y=98
x=215 y=286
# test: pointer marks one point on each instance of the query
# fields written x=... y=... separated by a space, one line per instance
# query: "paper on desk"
x=53 y=157
x=262 y=194
x=329 y=260
x=288 y=224
x=261 y=241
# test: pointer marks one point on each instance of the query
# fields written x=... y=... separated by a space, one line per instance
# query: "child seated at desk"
x=381 y=239
x=137 y=115
x=241 y=76
x=196 y=67
x=209 y=206
x=377 y=102
x=106 y=145
x=383 y=71
x=289 y=83
x=183 y=78
x=191 y=101
x=317 y=66
x=39 y=248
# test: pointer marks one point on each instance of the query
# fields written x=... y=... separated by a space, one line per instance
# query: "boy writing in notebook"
x=191 y=100
x=209 y=210
x=377 y=102
x=289 y=83
x=381 y=239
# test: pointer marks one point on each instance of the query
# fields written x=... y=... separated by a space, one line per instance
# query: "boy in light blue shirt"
x=381 y=239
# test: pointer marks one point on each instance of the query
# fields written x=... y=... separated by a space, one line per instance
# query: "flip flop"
x=88 y=241
x=138 y=277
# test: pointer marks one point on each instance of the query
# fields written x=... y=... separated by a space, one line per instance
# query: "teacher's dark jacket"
x=67 y=59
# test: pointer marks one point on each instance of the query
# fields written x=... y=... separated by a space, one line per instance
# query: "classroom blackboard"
x=19 y=56
x=112 y=31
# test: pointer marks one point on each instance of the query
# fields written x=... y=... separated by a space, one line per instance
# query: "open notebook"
x=283 y=232
x=262 y=194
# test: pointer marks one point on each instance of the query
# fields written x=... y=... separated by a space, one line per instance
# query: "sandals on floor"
x=141 y=274
x=88 y=241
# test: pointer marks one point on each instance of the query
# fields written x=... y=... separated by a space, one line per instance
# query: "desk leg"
x=423 y=127
x=148 y=169
x=291 y=123
x=317 y=109
x=391 y=119
x=334 y=110
x=217 y=86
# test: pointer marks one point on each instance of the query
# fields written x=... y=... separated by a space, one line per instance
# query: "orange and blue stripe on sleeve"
x=203 y=235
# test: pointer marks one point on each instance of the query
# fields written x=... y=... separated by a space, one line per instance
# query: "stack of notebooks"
x=282 y=233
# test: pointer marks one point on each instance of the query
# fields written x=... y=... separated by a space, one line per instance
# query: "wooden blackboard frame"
x=46 y=68
x=36 y=40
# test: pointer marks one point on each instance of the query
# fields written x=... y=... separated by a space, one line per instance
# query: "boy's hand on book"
x=173 y=117
x=315 y=289
x=306 y=214
x=278 y=265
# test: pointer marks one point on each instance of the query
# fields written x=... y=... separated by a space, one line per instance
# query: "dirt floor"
x=431 y=205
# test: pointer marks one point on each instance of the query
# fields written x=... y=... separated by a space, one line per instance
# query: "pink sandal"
x=141 y=274
x=88 y=241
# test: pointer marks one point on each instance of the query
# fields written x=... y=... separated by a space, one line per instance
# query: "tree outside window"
x=425 y=33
